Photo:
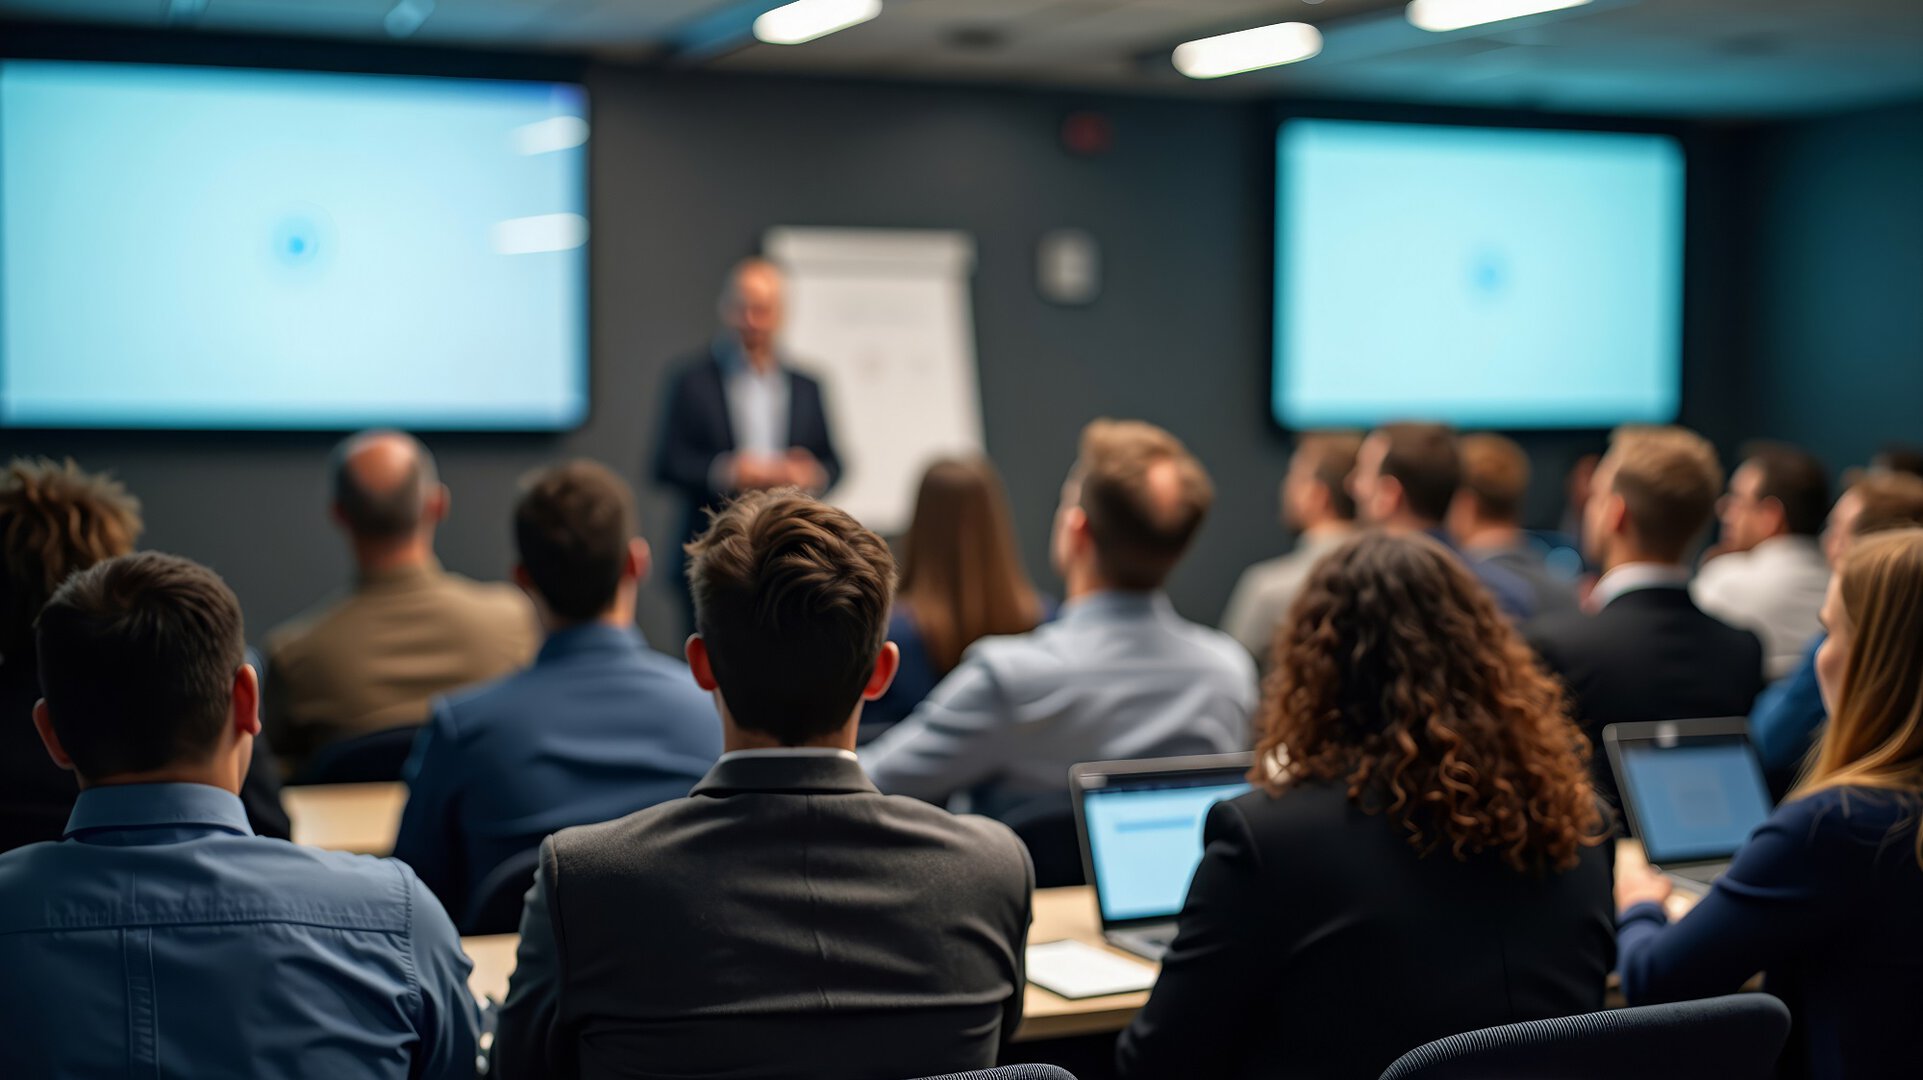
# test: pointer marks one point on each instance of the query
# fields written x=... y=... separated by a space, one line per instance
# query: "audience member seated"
x=961 y=580
x=1118 y=675
x=1824 y=897
x=1770 y=574
x=408 y=630
x=785 y=919
x=161 y=937
x=1405 y=477
x=1787 y=716
x=1316 y=506
x=54 y=520
x=1648 y=652
x=599 y=727
x=1485 y=521
x=1898 y=458
x=1423 y=854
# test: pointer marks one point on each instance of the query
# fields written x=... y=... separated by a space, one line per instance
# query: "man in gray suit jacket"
x=786 y=919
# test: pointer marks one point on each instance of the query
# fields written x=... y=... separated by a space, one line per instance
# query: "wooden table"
x=1059 y=913
x=361 y=818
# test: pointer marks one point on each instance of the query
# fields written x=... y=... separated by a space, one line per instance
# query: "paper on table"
x=1074 y=970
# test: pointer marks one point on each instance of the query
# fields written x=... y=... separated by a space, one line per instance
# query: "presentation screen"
x=186 y=247
x=1489 y=277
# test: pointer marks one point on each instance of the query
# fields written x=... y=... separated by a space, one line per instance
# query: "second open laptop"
x=1693 y=791
x=1140 y=824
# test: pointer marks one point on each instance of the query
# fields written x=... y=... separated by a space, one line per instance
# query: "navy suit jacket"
x=598 y=727
x=697 y=429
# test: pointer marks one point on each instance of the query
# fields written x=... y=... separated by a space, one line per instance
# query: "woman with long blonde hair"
x=962 y=579
x=1826 y=898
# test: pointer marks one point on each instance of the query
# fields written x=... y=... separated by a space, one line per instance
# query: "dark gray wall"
x=689 y=170
x=1836 y=276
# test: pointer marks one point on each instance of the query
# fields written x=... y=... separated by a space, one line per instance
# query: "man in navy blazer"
x=739 y=417
x=599 y=727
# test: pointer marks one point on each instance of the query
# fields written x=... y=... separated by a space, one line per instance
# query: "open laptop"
x=1693 y=791
x=1140 y=824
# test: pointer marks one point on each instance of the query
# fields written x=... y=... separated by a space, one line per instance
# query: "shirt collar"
x=789 y=752
x=733 y=361
x=1634 y=577
x=130 y=806
x=1789 y=549
x=1116 y=604
x=590 y=637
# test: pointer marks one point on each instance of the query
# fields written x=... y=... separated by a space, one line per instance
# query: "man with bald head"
x=1118 y=675
x=372 y=659
x=739 y=416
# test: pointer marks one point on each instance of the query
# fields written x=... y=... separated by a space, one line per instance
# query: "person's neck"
x=1405 y=523
x=215 y=774
x=1081 y=581
x=382 y=556
x=1629 y=556
x=619 y=616
x=761 y=361
x=735 y=737
x=1326 y=528
x=1491 y=536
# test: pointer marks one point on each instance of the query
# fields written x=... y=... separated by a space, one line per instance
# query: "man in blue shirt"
x=161 y=938
x=599 y=727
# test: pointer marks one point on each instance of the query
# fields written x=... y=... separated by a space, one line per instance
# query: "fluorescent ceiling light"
x=806 y=20
x=1442 y=15
x=1247 y=50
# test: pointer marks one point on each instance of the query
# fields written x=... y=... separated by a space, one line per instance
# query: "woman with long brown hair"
x=961 y=580
x=1423 y=853
x=1826 y=898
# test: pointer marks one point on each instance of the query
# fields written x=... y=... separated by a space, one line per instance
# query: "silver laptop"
x=1693 y=791
x=1140 y=824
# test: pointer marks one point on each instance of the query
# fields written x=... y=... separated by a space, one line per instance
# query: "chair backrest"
x=1046 y=826
x=1732 y=1038
x=1011 y=1072
x=374 y=758
x=497 y=901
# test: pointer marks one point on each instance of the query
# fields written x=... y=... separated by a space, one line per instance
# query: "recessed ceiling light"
x=1443 y=15
x=1247 y=50
x=806 y=20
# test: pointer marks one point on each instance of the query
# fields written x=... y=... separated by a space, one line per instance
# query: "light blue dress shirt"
x=757 y=403
x=163 y=940
x=1118 y=676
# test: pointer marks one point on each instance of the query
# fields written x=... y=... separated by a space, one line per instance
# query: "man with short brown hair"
x=786 y=918
x=1316 y=506
x=1648 y=652
x=1118 y=675
x=160 y=936
x=599 y=726
x=1405 y=477
x=1485 y=519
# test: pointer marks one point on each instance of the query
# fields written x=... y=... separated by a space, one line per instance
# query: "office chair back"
x=1732 y=1038
x=497 y=902
x=373 y=758
x=1010 y=1072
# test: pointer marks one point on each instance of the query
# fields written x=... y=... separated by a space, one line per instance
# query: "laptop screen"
x=1695 y=801
x=1145 y=838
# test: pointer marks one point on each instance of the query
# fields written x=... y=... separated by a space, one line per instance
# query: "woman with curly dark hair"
x=1424 y=853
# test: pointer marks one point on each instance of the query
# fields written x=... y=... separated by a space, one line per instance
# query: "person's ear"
x=887 y=662
x=700 y=665
x=439 y=502
x=640 y=560
x=1775 y=514
x=1389 y=497
x=1615 y=513
x=246 y=701
x=1075 y=521
x=43 y=723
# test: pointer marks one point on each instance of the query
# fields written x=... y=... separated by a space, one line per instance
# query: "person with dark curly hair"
x=1423 y=853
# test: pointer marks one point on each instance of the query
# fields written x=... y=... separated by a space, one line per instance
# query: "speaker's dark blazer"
x=696 y=429
x=1649 y=654
x=784 y=920
x=1318 y=944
